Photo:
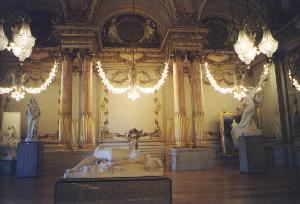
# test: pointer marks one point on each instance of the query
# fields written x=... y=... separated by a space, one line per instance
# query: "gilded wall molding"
x=106 y=135
x=184 y=38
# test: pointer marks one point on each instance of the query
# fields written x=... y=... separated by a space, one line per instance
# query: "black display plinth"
x=129 y=190
x=29 y=161
x=251 y=152
x=7 y=166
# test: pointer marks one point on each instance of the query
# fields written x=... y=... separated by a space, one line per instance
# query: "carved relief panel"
x=122 y=30
x=221 y=33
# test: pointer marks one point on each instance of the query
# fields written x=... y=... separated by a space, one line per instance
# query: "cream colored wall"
x=48 y=101
x=269 y=112
x=125 y=114
x=214 y=104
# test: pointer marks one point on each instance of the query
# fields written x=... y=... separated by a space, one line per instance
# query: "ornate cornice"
x=78 y=37
x=183 y=38
x=143 y=56
x=222 y=58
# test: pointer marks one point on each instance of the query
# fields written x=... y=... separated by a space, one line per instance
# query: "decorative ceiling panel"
x=122 y=30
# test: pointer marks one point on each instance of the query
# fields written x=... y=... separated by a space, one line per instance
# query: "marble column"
x=197 y=103
x=86 y=119
x=65 y=108
x=179 y=102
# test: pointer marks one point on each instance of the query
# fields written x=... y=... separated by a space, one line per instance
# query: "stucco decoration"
x=221 y=33
x=78 y=11
x=123 y=29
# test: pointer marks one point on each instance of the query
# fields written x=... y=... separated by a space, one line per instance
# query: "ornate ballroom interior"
x=174 y=77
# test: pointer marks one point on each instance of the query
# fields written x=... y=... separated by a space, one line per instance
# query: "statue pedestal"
x=7 y=166
x=251 y=152
x=138 y=190
x=29 y=160
x=184 y=159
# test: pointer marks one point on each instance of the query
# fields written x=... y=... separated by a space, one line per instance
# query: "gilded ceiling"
x=151 y=22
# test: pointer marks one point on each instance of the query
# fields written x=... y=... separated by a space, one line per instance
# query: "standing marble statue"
x=33 y=115
x=247 y=126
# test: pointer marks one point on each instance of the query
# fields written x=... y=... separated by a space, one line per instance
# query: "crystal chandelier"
x=268 y=44
x=133 y=94
x=22 y=41
x=133 y=89
x=18 y=90
x=246 y=49
x=238 y=91
x=3 y=38
x=245 y=45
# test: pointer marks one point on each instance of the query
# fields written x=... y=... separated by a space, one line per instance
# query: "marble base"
x=185 y=159
x=135 y=190
x=251 y=154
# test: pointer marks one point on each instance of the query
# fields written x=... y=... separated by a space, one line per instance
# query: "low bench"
x=129 y=190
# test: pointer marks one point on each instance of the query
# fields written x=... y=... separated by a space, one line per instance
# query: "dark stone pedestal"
x=188 y=159
x=29 y=161
x=7 y=166
x=131 y=190
x=251 y=152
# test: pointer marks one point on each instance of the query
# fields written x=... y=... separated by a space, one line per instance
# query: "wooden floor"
x=223 y=184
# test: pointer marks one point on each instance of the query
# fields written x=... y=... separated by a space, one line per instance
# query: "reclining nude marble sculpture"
x=106 y=162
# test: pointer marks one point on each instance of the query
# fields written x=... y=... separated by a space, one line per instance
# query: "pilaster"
x=86 y=118
x=65 y=108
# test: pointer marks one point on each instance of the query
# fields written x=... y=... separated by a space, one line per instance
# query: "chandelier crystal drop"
x=268 y=44
x=238 y=91
x=214 y=83
x=133 y=94
x=23 y=42
x=44 y=86
x=3 y=38
x=18 y=93
x=132 y=89
x=245 y=48
x=156 y=87
x=108 y=85
x=5 y=90
x=18 y=90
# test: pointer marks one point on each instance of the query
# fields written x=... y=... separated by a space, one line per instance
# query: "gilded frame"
x=226 y=119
